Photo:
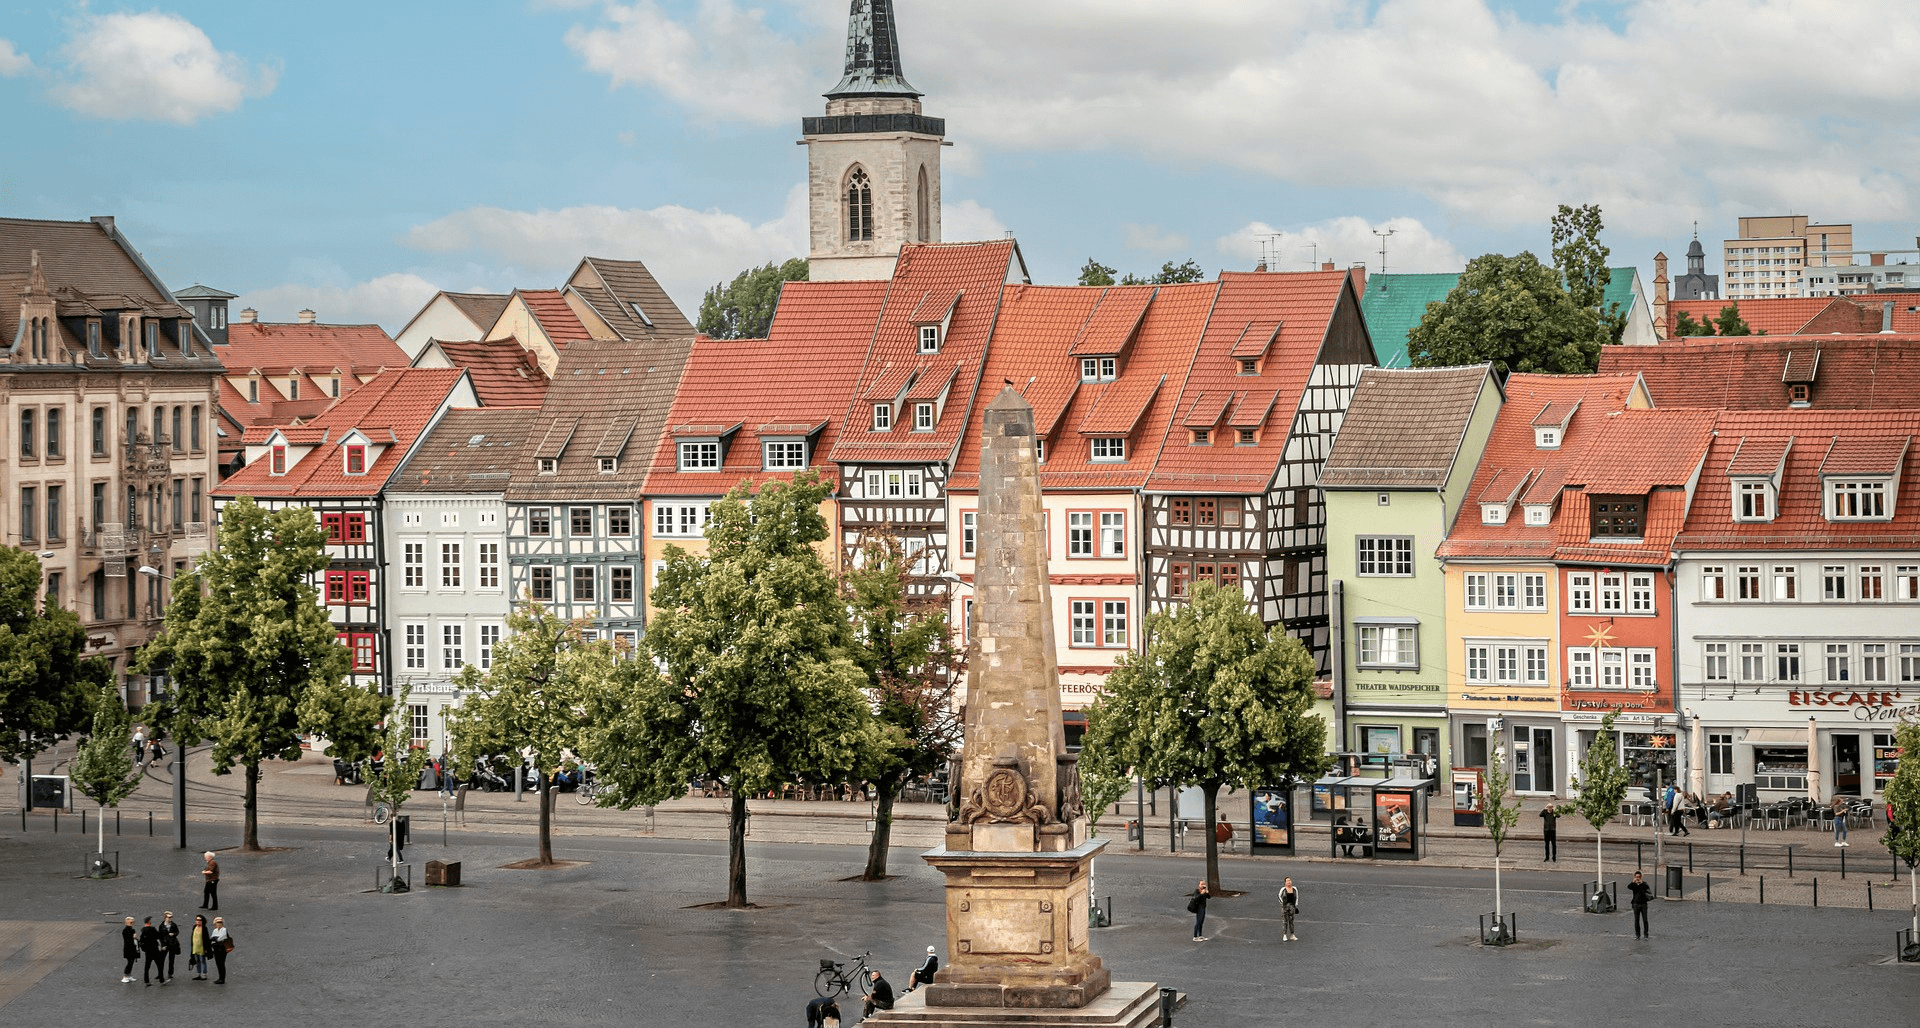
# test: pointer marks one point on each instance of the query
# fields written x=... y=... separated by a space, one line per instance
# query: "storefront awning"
x=1777 y=736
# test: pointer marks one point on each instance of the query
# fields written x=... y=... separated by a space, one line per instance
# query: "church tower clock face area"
x=873 y=159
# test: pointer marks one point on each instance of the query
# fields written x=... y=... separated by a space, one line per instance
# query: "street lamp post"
x=179 y=756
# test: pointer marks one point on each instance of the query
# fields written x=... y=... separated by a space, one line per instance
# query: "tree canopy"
x=1730 y=323
x=743 y=308
x=44 y=696
x=1218 y=699
x=752 y=679
x=247 y=643
x=1094 y=273
x=1513 y=312
x=1684 y=325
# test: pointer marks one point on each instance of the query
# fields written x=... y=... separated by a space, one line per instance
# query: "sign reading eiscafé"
x=1866 y=706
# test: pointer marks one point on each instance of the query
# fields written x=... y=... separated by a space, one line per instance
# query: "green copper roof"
x=1394 y=304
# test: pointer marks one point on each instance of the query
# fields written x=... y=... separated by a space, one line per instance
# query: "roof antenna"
x=1383 y=248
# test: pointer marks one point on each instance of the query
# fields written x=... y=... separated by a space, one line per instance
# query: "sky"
x=354 y=156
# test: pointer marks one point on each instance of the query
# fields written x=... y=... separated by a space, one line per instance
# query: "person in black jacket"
x=1550 y=832
x=153 y=947
x=170 y=940
x=881 y=997
x=129 y=948
x=819 y=1010
x=1197 y=906
x=923 y=974
x=1642 y=894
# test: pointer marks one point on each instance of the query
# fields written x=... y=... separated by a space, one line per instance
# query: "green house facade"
x=1397 y=475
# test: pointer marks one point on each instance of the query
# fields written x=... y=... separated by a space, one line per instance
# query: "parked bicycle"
x=589 y=790
x=832 y=981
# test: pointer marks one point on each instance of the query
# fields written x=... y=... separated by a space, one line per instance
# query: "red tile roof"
x=557 y=319
x=1305 y=304
x=314 y=349
x=393 y=409
x=1799 y=520
x=504 y=373
x=794 y=383
x=978 y=271
x=1784 y=316
x=1856 y=372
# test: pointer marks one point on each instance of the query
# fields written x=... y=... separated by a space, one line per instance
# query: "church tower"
x=873 y=161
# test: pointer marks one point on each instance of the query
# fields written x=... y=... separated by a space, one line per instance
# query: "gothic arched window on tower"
x=859 y=207
x=925 y=222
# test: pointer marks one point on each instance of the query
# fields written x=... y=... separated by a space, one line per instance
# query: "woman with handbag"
x=197 y=946
x=222 y=945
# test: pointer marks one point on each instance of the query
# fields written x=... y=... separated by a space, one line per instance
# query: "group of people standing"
x=1289 y=909
x=162 y=944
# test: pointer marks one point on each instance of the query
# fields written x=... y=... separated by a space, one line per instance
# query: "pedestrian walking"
x=1289 y=906
x=170 y=941
x=880 y=997
x=222 y=946
x=1642 y=894
x=140 y=744
x=823 y=1012
x=1839 y=821
x=210 y=893
x=923 y=975
x=1550 y=833
x=197 y=946
x=1676 y=808
x=130 y=949
x=1197 y=906
x=155 y=953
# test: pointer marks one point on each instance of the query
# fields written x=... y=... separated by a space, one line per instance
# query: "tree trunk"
x=882 y=830
x=1598 y=883
x=1496 y=886
x=1213 y=841
x=737 y=851
x=250 y=833
x=546 y=817
x=103 y=830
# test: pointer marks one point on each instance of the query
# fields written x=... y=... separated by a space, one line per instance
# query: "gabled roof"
x=1782 y=316
x=1856 y=372
x=197 y=291
x=312 y=348
x=978 y=270
x=471 y=450
x=549 y=308
x=627 y=296
x=796 y=382
x=90 y=270
x=1759 y=456
x=1799 y=521
x=1394 y=305
x=504 y=373
x=394 y=408
x=1404 y=428
x=483 y=309
x=601 y=386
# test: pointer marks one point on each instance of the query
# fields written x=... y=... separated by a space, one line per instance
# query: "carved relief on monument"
x=1006 y=797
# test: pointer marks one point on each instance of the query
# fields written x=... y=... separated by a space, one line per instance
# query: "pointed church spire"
x=873 y=54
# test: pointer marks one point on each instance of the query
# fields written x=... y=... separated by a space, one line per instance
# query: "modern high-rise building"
x=1769 y=258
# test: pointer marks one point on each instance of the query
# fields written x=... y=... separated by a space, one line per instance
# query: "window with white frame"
x=540 y=521
x=1873 y=663
x=1839 y=663
x=1641 y=669
x=1506 y=592
x=1580 y=593
x=453 y=651
x=1906 y=582
x=1753 y=502
x=1720 y=754
x=929 y=338
x=620 y=522
x=1639 y=594
x=1872 y=580
x=1079 y=533
x=1909 y=663
x=1613 y=668
x=700 y=456
x=1479 y=663
x=1713 y=582
x=784 y=454
x=1383 y=555
x=413 y=565
x=923 y=417
x=680 y=519
x=882 y=417
x=1833 y=581
x=585 y=577
x=620 y=584
x=419 y=720
x=1086 y=622
x=1786 y=662
x=1109 y=449
x=1533 y=595
x=1478 y=585
x=1506 y=664
x=1746 y=582
x=1753 y=662
x=1113 y=533
x=1857 y=500
x=489 y=567
x=1580 y=668
x=967 y=532
x=1714 y=662
x=1099 y=369
x=450 y=565
x=415 y=648
x=1113 y=623
x=489 y=637
x=489 y=517
x=449 y=519
x=1613 y=599
x=1389 y=645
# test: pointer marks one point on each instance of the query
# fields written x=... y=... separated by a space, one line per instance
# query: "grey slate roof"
x=622 y=287
x=483 y=309
x=602 y=385
x=470 y=451
x=1404 y=427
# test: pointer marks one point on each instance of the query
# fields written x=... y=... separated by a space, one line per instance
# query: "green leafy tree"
x=347 y=716
x=246 y=642
x=1602 y=782
x=1903 y=799
x=103 y=768
x=1094 y=273
x=43 y=698
x=743 y=308
x=1171 y=273
x=546 y=679
x=1497 y=814
x=907 y=650
x=751 y=679
x=1102 y=783
x=1581 y=259
x=1513 y=312
x=1730 y=323
x=400 y=772
x=1684 y=325
x=1218 y=700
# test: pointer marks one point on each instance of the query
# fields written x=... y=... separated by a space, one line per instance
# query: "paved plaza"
x=618 y=939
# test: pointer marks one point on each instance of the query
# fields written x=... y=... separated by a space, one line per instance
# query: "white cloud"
x=725 y=61
x=1344 y=241
x=13 y=62
x=153 y=66
x=687 y=250
x=968 y=222
x=1150 y=239
x=389 y=301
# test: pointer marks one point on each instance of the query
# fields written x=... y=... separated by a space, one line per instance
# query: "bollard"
x=1869 y=897
x=1816 y=892
x=83 y=820
x=1169 y=998
x=1689 y=856
x=149 y=824
x=1763 y=890
x=1743 y=858
x=116 y=821
x=1789 y=861
x=1843 y=865
x=1709 y=886
x=1637 y=865
x=56 y=820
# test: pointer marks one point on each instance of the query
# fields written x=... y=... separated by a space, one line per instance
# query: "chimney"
x=1358 y=274
x=1326 y=265
x=1877 y=259
x=1262 y=266
x=308 y=317
x=248 y=315
x=1660 y=295
x=1886 y=316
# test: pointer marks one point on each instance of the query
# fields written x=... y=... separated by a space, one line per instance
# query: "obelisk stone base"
x=1124 y=1005
x=1017 y=929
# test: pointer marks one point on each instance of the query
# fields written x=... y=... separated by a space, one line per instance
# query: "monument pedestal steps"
x=1124 y=1005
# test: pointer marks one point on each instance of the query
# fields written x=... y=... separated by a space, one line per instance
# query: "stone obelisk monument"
x=1017 y=854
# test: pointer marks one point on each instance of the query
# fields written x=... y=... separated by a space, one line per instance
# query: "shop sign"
x=1866 y=706
x=1508 y=698
x=1627 y=703
x=1397 y=687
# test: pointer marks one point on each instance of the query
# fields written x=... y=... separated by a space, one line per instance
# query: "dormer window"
x=1247 y=437
x=186 y=337
x=279 y=461
x=1040 y=451
x=784 y=454
x=1545 y=438
x=1099 y=369
x=548 y=465
x=1202 y=437
x=609 y=465
x=1249 y=366
x=336 y=387
x=702 y=455
x=1799 y=395
x=1857 y=500
x=1109 y=449
x=293 y=386
x=93 y=337
x=923 y=417
x=1753 y=501
x=929 y=338
x=1538 y=513
x=356 y=460
x=1493 y=513
x=152 y=338
x=1618 y=517
x=253 y=390
x=882 y=417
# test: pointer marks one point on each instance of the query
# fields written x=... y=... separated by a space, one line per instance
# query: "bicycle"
x=831 y=981
x=587 y=791
x=381 y=812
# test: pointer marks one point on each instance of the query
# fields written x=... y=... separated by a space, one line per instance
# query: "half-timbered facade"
x=338 y=465
x=1235 y=497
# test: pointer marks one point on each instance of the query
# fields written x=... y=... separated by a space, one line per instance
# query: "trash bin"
x=1676 y=880
x=1169 y=998
x=443 y=873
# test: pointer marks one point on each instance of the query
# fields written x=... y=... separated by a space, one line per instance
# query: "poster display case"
x=1330 y=796
x=1272 y=821
x=1399 y=812
x=1886 y=760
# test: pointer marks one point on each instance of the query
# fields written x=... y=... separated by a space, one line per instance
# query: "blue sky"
x=354 y=156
